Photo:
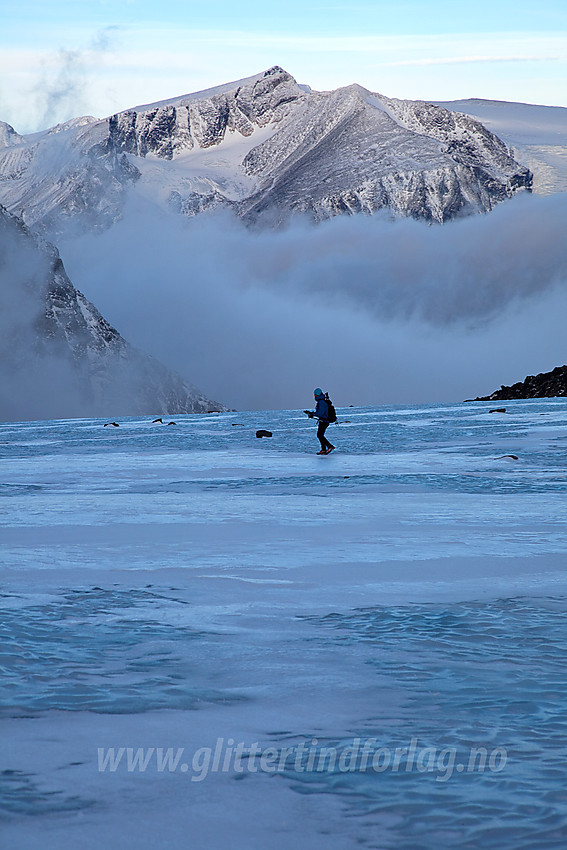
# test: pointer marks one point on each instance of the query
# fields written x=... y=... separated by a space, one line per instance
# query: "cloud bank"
x=375 y=311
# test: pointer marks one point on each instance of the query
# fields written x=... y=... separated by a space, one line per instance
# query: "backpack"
x=332 y=414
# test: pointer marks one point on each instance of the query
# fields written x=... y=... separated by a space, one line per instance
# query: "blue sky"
x=64 y=58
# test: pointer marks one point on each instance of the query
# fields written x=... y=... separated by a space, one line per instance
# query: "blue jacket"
x=322 y=409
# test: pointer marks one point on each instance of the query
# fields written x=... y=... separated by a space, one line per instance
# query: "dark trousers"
x=325 y=444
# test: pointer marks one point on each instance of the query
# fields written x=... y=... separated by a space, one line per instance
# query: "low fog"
x=373 y=310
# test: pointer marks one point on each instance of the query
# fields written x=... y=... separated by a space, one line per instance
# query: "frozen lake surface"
x=211 y=640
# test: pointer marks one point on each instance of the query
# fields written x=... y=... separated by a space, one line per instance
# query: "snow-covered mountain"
x=59 y=356
x=265 y=147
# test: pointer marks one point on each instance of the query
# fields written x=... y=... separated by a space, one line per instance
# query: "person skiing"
x=321 y=413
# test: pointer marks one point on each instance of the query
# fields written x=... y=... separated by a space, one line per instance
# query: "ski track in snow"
x=172 y=586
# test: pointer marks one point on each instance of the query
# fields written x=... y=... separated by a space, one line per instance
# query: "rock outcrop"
x=545 y=385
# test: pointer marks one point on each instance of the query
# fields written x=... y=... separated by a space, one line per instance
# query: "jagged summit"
x=224 y=88
x=203 y=119
x=265 y=147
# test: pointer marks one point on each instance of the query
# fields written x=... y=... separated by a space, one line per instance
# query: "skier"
x=322 y=413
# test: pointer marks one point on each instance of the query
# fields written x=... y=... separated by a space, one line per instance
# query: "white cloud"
x=377 y=311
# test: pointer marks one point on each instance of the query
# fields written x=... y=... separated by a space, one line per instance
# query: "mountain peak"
x=275 y=72
x=275 y=69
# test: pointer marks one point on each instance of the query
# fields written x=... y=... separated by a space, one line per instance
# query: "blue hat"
x=318 y=391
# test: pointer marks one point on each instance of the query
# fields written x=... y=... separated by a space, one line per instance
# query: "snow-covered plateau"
x=264 y=147
x=215 y=640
